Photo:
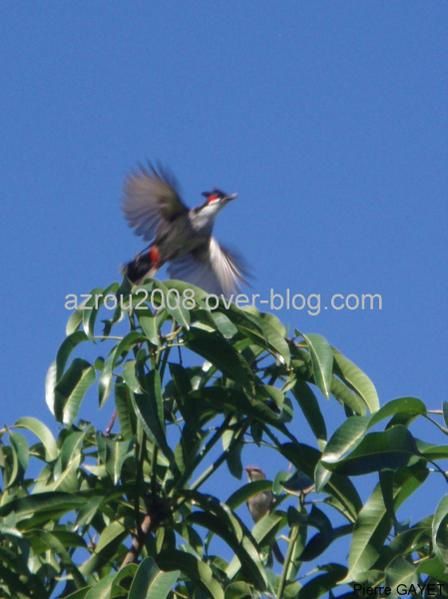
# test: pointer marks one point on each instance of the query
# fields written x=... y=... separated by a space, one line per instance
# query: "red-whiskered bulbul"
x=180 y=236
x=261 y=504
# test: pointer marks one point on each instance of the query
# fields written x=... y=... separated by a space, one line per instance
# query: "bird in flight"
x=177 y=235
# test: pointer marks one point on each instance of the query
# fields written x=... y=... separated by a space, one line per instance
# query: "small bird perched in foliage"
x=180 y=236
x=261 y=504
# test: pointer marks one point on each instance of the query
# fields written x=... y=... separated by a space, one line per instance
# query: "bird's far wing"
x=151 y=196
x=212 y=267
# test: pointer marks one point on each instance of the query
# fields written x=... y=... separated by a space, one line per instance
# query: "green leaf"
x=233 y=450
x=221 y=322
x=358 y=380
x=174 y=302
x=375 y=520
x=400 y=572
x=152 y=583
x=130 y=341
x=148 y=322
x=323 y=583
x=89 y=311
x=264 y=330
x=71 y=388
x=239 y=590
x=440 y=530
x=218 y=518
x=345 y=439
x=123 y=404
x=22 y=451
x=52 y=503
x=73 y=322
x=234 y=533
x=101 y=590
x=268 y=526
x=342 y=493
x=221 y=354
x=242 y=494
x=322 y=360
x=195 y=569
x=407 y=406
x=346 y=396
x=432 y=452
x=319 y=542
x=66 y=348
x=43 y=433
x=110 y=539
x=310 y=408
x=113 y=453
x=434 y=567
x=148 y=407
x=393 y=448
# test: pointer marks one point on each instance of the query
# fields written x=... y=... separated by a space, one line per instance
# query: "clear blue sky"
x=329 y=119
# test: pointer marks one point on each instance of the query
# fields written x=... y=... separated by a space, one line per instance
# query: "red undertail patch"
x=154 y=256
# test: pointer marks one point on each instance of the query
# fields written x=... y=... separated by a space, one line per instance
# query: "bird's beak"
x=231 y=196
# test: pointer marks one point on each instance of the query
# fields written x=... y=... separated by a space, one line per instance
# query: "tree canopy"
x=124 y=509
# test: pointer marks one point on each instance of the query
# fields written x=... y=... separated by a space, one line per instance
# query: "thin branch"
x=138 y=541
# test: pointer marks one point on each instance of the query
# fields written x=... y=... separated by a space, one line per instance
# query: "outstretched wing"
x=211 y=267
x=151 y=196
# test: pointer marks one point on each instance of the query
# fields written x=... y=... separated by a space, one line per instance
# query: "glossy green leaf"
x=123 y=404
x=73 y=322
x=152 y=583
x=322 y=360
x=432 y=452
x=21 y=448
x=218 y=518
x=400 y=573
x=409 y=406
x=42 y=432
x=393 y=448
x=223 y=324
x=323 y=583
x=130 y=341
x=102 y=589
x=195 y=569
x=52 y=503
x=358 y=380
x=317 y=544
x=436 y=568
x=221 y=354
x=310 y=408
x=345 y=439
x=242 y=494
x=342 y=493
x=347 y=397
x=89 y=311
x=148 y=322
x=109 y=541
x=440 y=530
x=66 y=348
x=267 y=333
x=71 y=388
x=375 y=520
x=148 y=407
x=174 y=302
